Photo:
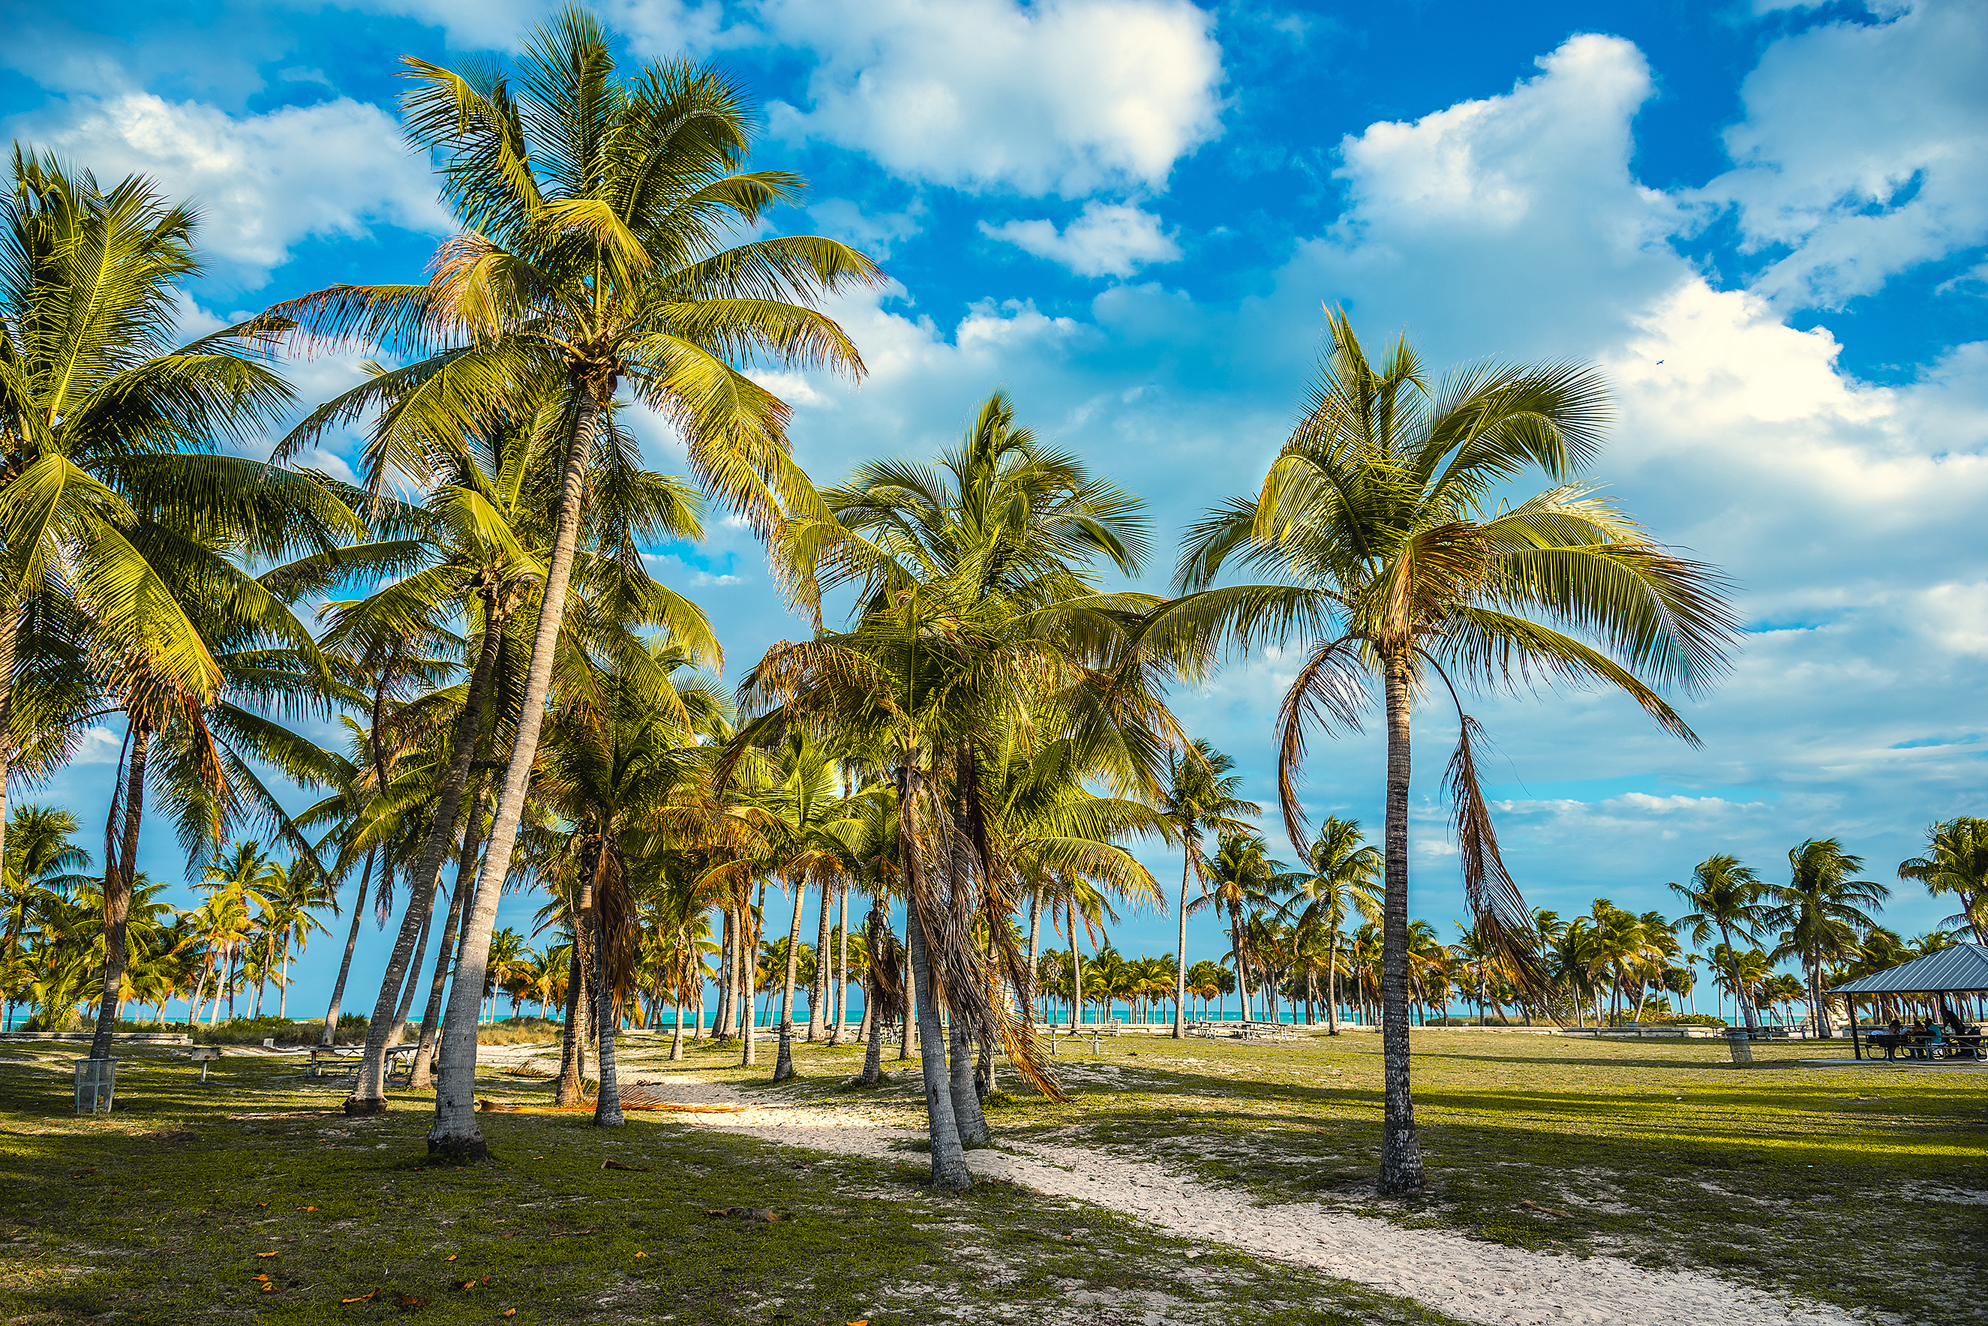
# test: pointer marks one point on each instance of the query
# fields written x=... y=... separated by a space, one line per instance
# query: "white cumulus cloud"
x=1863 y=151
x=1109 y=239
x=262 y=183
x=1065 y=96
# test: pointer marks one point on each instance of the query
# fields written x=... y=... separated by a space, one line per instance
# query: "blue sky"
x=1767 y=223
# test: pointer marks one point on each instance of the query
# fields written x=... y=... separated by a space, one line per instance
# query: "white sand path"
x=1461 y=1277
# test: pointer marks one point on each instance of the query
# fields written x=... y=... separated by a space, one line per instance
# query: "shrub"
x=286 y=1031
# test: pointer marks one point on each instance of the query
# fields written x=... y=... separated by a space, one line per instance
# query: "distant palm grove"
x=454 y=678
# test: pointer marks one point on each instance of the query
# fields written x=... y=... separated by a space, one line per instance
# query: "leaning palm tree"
x=1956 y=863
x=1202 y=796
x=597 y=214
x=1401 y=567
x=1820 y=913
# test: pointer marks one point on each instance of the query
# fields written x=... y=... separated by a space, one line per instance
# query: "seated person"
x=1893 y=1034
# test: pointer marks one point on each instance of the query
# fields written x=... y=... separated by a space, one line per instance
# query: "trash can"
x=96 y=1079
x=1740 y=1044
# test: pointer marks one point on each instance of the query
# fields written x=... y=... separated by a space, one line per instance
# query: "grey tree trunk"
x=873 y=1040
x=783 y=1066
x=819 y=987
x=949 y=1172
x=607 y=1023
x=455 y=1135
x=1332 y=985
x=1180 y=960
x=573 y=1037
x=1035 y=952
x=10 y=633
x=728 y=957
x=841 y=970
x=911 y=1003
x=749 y=976
x=1401 y=1149
x=968 y=1117
x=423 y=1078
x=118 y=879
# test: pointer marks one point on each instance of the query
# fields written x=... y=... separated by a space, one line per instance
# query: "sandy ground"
x=1459 y=1276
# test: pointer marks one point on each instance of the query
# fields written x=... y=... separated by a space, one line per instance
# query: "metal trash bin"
x=96 y=1081
x=1740 y=1044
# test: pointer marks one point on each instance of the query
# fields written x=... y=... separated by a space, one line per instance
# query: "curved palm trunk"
x=1739 y=986
x=423 y=1077
x=117 y=895
x=783 y=1065
x=1401 y=1150
x=455 y=1135
x=369 y=1090
x=873 y=1042
x=749 y=929
x=1026 y=997
x=1180 y=950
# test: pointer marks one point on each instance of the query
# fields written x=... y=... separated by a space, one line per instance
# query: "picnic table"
x=1924 y=1046
x=400 y=1059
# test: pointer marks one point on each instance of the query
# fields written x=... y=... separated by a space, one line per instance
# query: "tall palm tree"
x=1401 y=567
x=1243 y=879
x=597 y=213
x=1820 y=913
x=1956 y=863
x=1340 y=871
x=1202 y=796
x=41 y=863
x=1725 y=897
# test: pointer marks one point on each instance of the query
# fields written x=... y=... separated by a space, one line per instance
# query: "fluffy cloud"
x=262 y=183
x=1863 y=152
x=1067 y=96
x=1109 y=239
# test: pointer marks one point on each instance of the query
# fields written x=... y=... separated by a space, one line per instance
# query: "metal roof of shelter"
x=1960 y=969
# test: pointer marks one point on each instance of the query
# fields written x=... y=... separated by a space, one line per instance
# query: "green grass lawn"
x=175 y=1206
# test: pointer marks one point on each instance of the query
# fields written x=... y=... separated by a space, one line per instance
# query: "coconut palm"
x=1243 y=879
x=1202 y=796
x=1956 y=864
x=1820 y=913
x=597 y=214
x=1340 y=871
x=1725 y=898
x=1399 y=568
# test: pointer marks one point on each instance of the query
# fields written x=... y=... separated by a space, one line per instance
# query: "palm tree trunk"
x=1401 y=1150
x=607 y=1024
x=1739 y=988
x=10 y=634
x=117 y=894
x=911 y=1005
x=431 y=1016
x=1180 y=949
x=819 y=987
x=873 y=1041
x=573 y=1042
x=1027 y=995
x=1332 y=985
x=721 y=1025
x=968 y=1117
x=749 y=931
x=455 y=1133
x=949 y=1173
x=783 y=1065
x=351 y=943
x=841 y=968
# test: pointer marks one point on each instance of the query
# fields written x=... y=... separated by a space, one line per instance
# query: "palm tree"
x=1956 y=863
x=1242 y=879
x=1378 y=511
x=1202 y=796
x=103 y=421
x=1341 y=869
x=596 y=215
x=1725 y=897
x=41 y=864
x=1820 y=913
